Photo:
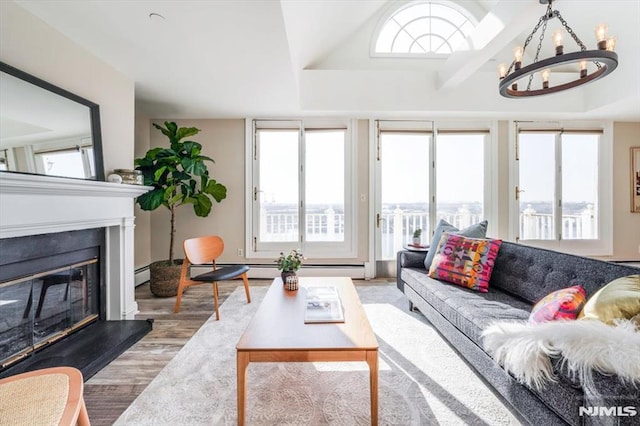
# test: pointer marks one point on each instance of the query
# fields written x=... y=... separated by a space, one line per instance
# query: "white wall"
x=224 y=141
x=626 y=225
x=30 y=45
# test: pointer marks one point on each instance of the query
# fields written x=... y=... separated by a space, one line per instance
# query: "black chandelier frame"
x=605 y=60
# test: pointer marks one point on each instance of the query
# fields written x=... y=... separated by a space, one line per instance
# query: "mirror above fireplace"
x=47 y=130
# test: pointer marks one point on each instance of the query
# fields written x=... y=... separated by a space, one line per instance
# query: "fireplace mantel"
x=33 y=205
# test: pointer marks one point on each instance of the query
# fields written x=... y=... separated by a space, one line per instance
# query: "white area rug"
x=421 y=379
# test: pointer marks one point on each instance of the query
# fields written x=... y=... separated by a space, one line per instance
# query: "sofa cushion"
x=477 y=230
x=531 y=273
x=563 y=304
x=465 y=261
x=468 y=310
x=620 y=299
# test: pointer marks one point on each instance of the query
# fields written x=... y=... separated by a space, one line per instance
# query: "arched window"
x=424 y=27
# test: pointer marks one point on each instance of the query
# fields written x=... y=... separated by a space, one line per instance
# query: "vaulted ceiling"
x=271 y=58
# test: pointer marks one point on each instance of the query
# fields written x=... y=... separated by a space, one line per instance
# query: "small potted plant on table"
x=416 y=236
x=289 y=264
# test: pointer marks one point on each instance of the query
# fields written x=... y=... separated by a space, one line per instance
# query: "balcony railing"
x=539 y=226
x=397 y=226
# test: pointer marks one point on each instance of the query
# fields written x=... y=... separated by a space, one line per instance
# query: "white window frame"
x=396 y=7
x=490 y=200
x=311 y=249
x=603 y=245
x=81 y=145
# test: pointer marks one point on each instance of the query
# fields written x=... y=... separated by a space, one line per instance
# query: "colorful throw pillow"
x=563 y=304
x=620 y=299
x=477 y=230
x=465 y=261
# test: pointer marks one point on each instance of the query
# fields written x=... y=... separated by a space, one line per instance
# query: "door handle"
x=379 y=219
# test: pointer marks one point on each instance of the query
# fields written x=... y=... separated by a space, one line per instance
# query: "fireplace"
x=49 y=287
x=66 y=272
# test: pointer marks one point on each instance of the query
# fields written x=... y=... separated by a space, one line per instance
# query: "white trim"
x=491 y=206
x=24 y=229
x=514 y=181
x=26 y=184
x=373 y=180
x=249 y=153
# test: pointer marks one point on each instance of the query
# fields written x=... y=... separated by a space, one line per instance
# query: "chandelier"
x=604 y=58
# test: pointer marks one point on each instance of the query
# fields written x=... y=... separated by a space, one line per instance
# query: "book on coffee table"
x=323 y=305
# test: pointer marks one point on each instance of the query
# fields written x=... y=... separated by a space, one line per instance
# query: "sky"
x=405 y=168
x=579 y=167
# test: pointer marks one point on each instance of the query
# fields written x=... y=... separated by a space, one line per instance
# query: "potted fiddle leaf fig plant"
x=179 y=177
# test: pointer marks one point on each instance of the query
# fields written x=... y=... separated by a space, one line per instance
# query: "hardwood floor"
x=111 y=390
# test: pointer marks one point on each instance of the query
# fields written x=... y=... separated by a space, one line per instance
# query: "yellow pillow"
x=620 y=299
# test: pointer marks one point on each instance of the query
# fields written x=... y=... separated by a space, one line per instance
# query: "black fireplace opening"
x=42 y=308
x=53 y=307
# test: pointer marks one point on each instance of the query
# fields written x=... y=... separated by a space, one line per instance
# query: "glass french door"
x=403 y=169
x=558 y=186
x=278 y=191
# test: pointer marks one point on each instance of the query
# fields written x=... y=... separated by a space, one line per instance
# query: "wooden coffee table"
x=277 y=333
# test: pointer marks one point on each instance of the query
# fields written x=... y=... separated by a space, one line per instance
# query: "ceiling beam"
x=498 y=28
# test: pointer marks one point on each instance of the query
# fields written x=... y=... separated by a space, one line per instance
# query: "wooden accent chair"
x=51 y=396
x=199 y=251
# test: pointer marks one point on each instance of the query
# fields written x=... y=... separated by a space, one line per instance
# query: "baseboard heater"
x=141 y=275
x=268 y=271
x=261 y=271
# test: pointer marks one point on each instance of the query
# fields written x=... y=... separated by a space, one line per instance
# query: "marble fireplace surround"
x=33 y=205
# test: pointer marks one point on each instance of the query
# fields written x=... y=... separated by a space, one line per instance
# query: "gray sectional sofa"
x=522 y=275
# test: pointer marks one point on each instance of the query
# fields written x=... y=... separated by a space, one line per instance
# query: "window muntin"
x=424 y=28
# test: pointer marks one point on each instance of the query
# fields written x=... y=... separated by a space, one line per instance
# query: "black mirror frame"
x=94 y=110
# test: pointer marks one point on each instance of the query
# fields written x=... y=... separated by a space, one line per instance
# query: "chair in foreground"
x=202 y=250
x=51 y=396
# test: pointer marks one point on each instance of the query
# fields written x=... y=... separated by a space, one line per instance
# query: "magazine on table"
x=323 y=305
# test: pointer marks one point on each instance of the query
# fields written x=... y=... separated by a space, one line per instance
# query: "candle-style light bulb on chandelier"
x=604 y=58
